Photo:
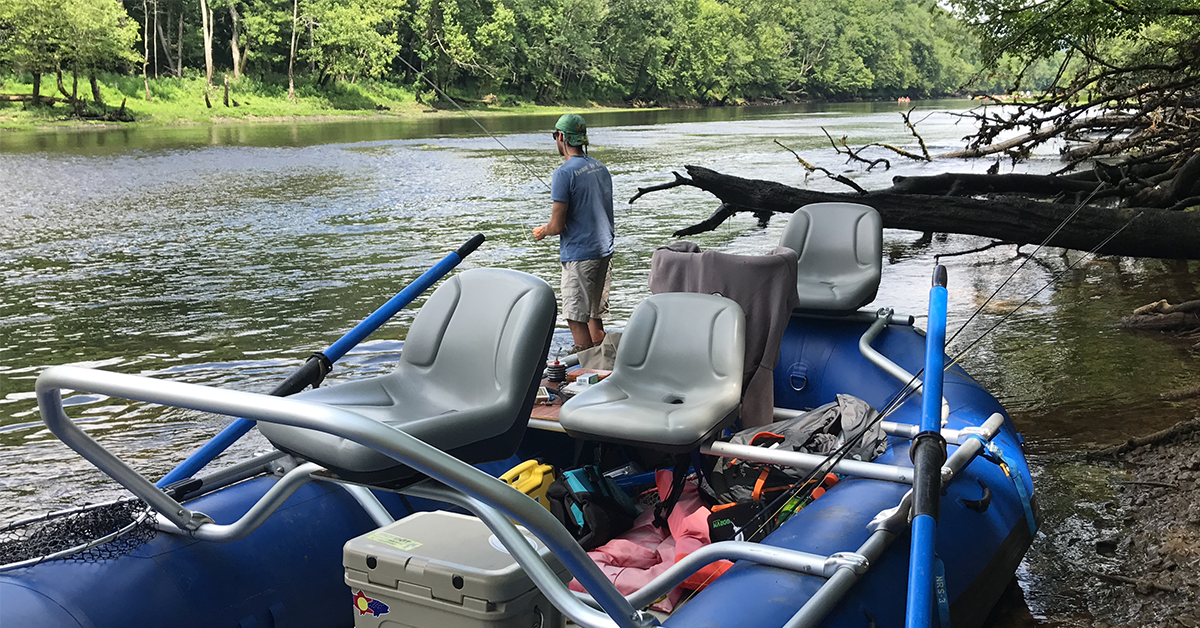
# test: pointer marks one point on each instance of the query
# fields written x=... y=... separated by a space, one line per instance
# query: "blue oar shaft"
x=316 y=367
x=929 y=453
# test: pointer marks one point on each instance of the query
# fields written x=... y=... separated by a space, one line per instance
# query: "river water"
x=225 y=255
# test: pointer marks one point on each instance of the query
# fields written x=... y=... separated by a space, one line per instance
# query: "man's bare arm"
x=558 y=220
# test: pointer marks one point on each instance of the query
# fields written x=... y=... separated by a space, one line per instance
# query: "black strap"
x=679 y=475
x=704 y=479
x=579 y=445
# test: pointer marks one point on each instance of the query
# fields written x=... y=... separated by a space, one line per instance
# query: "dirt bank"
x=1120 y=543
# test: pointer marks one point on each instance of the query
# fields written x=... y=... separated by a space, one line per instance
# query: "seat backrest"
x=763 y=285
x=679 y=346
x=677 y=380
x=480 y=340
x=841 y=255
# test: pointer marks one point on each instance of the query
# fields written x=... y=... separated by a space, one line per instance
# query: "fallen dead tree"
x=29 y=98
x=1140 y=232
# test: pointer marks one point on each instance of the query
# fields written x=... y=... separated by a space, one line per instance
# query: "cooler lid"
x=448 y=554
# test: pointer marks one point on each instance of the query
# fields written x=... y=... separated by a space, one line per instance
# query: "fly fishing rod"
x=525 y=223
x=477 y=122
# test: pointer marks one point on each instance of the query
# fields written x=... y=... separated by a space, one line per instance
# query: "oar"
x=317 y=366
x=928 y=454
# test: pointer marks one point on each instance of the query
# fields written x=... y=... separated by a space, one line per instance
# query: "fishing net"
x=88 y=534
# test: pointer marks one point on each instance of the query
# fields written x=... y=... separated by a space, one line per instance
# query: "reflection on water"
x=225 y=255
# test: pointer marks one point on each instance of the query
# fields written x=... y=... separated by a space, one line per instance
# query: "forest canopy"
x=705 y=51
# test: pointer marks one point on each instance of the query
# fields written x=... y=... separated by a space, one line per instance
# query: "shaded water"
x=225 y=255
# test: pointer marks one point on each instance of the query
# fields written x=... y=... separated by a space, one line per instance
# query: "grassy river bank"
x=181 y=101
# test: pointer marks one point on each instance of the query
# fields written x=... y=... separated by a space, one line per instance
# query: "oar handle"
x=317 y=366
x=928 y=454
x=469 y=246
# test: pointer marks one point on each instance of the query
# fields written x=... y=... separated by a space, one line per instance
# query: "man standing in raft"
x=581 y=190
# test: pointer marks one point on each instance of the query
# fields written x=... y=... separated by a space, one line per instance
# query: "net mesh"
x=83 y=529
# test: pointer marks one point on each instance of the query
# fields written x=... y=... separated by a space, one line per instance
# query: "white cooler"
x=444 y=570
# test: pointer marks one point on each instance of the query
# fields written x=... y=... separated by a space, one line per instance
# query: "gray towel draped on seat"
x=763 y=285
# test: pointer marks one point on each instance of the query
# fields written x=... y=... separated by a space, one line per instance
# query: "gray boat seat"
x=677 y=381
x=841 y=255
x=466 y=380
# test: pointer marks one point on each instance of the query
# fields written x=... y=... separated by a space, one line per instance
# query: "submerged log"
x=1162 y=316
x=1139 y=232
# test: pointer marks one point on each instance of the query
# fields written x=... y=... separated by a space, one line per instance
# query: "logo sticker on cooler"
x=365 y=605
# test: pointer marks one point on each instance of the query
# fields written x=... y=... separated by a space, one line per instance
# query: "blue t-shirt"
x=585 y=185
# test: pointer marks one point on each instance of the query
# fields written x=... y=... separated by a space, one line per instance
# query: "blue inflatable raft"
x=260 y=544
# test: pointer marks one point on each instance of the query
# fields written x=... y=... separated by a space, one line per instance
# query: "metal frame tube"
x=890 y=367
x=539 y=572
x=970 y=447
x=861 y=316
x=236 y=473
x=803 y=562
x=818 y=606
x=369 y=503
x=389 y=441
x=800 y=460
x=208 y=530
x=547 y=426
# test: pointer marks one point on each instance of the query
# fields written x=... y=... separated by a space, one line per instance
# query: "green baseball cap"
x=574 y=129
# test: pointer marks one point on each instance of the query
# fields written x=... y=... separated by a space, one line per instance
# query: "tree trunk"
x=37 y=86
x=96 y=89
x=233 y=41
x=206 y=26
x=1139 y=232
x=62 y=89
x=1176 y=321
x=968 y=184
x=166 y=45
x=179 y=47
x=146 y=48
x=28 y=98
x=292 y=53
x=226 y=90
x=155 y=34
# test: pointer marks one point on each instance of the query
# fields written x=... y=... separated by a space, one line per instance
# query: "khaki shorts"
x=585 y=289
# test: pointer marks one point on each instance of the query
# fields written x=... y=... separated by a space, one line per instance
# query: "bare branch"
x=909 y=124
x=901 y=151
x=679 y=180
x=723 y=213
x=811 y=169
x=852 y=155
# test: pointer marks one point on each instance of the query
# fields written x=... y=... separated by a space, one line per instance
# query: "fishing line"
x=826 y=466
x=906 y=392
x=1047 y=239
x=1049 y=283
x=443 y=94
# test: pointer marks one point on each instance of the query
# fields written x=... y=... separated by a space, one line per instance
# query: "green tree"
x=101 y=38
x=1127 y=75
x=32 y=37
x=352 y=39
x=84 y=36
